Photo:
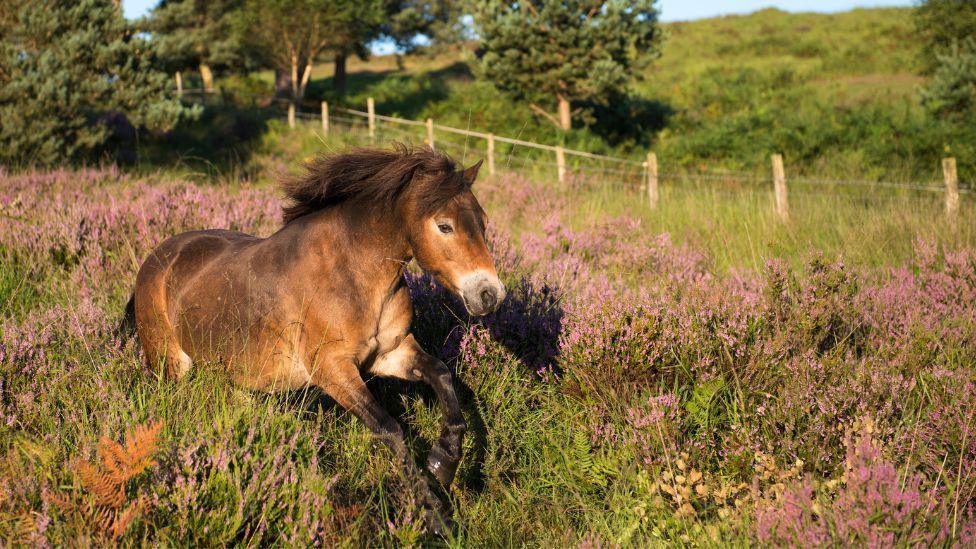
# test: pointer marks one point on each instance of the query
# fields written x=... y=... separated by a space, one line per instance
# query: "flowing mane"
x=374 y=177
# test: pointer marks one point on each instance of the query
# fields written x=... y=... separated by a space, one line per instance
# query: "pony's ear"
x=471 y=173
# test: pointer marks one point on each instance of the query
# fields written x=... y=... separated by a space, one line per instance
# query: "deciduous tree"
x=290 y=34
x=439 y=22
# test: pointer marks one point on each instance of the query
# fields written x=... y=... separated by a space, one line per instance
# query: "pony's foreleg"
x=408 y=361
x=345 y=385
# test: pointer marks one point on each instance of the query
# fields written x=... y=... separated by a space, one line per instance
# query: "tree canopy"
x=942 y=25
x=564 y=51
x=439 y=21
x=951 y=92
x=197 y=34
x=288 y=35
x=948 y=28
x=67 y=68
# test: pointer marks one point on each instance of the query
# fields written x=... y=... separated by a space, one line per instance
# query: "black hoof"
x=437 y=524
x=442 y=466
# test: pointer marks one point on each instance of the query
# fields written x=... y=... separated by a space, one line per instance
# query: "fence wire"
x=581 y=168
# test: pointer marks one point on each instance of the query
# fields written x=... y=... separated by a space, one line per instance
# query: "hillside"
x=837 y=93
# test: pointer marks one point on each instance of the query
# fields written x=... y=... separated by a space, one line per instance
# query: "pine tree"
x=951 y=92
x=557 y=52
x=66 y=68
x=197 y=34
x=942 y=25
x=439 y=21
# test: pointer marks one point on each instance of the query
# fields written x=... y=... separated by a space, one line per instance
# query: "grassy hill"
x=836 y=93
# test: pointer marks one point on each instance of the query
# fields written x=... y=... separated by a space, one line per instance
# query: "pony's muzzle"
x=481 y=292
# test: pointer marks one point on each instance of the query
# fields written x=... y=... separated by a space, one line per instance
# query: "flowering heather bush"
x=874 y=506
x=625 y=391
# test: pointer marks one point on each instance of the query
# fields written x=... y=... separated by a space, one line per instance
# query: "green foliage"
x=288 y=35
x=942 y=24
x=704 y=407
x=194 y=32
x=590 y=468
x=565 y=51
x=952 y=91
x=833 y=92
x=66 y=70
x=438 y=20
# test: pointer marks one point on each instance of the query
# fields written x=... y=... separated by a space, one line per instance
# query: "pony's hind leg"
x=156 y=333
x=345 y=385
x=161 y=348
x=409 y=362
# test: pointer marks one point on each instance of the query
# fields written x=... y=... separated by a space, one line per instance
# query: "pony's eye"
x=445 y=228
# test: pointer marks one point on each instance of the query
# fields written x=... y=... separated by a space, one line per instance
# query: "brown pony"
x=323 y=301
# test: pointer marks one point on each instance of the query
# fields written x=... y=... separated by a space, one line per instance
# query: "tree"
x=355 y=24
x=948 y=28
x=951 y=92
x=66 y=68
x=565 y=51
x=941 y=25
x=197 y=34
x=439 y=21
x=289 y=35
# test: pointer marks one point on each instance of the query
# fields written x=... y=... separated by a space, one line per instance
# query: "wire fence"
x=577 y=168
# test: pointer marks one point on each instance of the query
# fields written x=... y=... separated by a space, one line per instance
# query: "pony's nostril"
x=488 y=299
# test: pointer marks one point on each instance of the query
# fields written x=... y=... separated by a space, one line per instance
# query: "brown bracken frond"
x=104 y=487
x=107 y=513
x=125 y=462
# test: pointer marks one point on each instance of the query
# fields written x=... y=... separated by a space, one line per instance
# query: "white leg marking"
x=183 y=363
x=394 y=363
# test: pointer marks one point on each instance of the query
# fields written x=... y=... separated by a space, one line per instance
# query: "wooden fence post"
x=325 y=119
x=560 y=164
x=291 y=115
x=952 y=187
x=779 y=188
x=430 y=133
x=652 y=194
x=490 y=153
x=179 y=83
x=371 y=115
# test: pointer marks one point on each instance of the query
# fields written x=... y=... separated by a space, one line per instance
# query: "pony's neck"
x=376 y=239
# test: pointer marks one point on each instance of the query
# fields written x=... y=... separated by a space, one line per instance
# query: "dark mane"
x=375 y=177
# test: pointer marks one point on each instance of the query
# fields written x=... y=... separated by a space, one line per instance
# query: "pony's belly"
x=282 y=372
x=276 y=362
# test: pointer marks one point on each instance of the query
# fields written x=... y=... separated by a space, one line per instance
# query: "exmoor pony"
x=323 y=300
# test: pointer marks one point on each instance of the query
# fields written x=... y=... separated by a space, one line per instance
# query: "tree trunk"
x=565 y=117
x=207 y=76
x=282 y=83
x=306 y=76
x=294 y=78
x=339 y=76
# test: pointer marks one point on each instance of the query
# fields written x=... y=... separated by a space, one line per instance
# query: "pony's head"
x=425 y=193
x=448 y=240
